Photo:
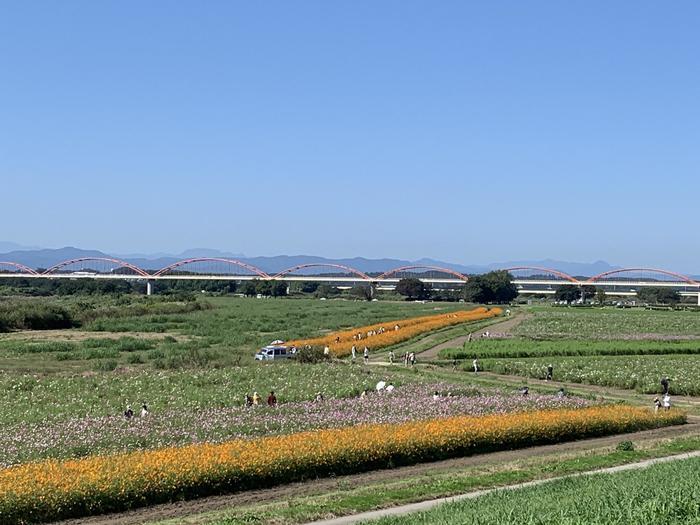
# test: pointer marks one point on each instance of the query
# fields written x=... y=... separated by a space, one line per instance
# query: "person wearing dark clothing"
x=271 y=399
x=664 y=385
x=524 y=391
x=128 y=413
x=550 y=370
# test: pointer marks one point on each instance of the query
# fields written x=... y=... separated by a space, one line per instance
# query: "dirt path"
x=429 y=504
x=632 y=395
x=317 y=486
x=502 y=329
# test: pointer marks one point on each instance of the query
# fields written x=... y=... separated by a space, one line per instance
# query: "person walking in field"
x=550 y=371
x=412 y=359
x=326 y=351
x=365 y=355
x=667 y=402
x=272 y=399
x=256 y=399
x=475 y=364
x=353 y=353
x=469 y=339
x=454 y=365
x=391 y=357
x=248 y=400
x=657 y=404
x=664 y=385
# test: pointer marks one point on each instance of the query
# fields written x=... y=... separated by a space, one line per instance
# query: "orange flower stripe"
x=57 y=489
x=385 y=333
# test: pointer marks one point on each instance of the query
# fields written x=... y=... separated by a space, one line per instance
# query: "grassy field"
x=227 y=332
x=665 y=493
x=609 y=323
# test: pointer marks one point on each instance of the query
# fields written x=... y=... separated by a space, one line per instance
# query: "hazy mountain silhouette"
x=44 y=258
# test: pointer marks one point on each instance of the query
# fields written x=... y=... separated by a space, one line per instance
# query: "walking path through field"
x=611 y=392
x=502 y=328
x=429 y=504
x=323 y=485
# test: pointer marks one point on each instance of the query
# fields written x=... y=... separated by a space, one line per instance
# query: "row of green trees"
x=571 y=293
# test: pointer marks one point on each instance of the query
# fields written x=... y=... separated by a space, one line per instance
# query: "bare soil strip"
x=323 y=485
x=429 y=504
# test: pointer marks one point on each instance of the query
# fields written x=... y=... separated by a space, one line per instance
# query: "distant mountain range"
x=45 y=258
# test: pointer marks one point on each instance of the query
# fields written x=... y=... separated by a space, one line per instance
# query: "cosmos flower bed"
x=57 y=489
x=386 y=335
x=80 y=435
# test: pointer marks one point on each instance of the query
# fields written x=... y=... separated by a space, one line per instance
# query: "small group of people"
x=665 y=402
x=370 y=333
x=256 y=399
x=409 y=359
x=129 y=412
x=365 y=354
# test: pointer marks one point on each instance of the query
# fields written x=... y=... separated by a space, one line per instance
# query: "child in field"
x=271 y=399
x=128 y=413
x=256 y=398
x=248 y=401
x=657 y=404
x=144 y=410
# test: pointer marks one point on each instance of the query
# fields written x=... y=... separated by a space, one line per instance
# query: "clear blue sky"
x=465 y=131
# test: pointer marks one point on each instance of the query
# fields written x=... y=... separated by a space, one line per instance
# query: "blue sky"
x=464 y=131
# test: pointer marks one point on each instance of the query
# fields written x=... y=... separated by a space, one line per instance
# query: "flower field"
x=55 y=489
x=641 y=373
x=76 y=436
x=521 y=347
x=609 y=323
x=384 y=334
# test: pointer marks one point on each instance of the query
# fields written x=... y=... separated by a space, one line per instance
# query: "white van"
x=273 y=352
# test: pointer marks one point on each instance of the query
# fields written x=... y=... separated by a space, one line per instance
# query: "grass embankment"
x=51 y=490
x=663 y=493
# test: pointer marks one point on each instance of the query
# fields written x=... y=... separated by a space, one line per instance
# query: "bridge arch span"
x=19 y=266
x=454 y=273
x=551 y=271
x=122 y=264
x=232 y=262
x=348 y=269
x=668 y=273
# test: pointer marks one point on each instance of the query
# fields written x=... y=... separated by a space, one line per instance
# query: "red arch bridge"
x=528 y=279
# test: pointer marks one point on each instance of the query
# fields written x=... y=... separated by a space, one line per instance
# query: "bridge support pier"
x=149 y=287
